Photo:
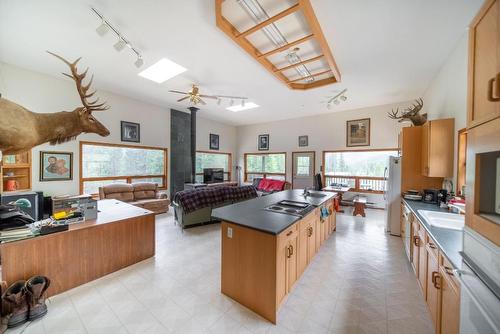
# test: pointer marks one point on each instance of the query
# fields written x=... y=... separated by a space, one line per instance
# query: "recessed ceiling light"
x=162 y=70
x=241 y=107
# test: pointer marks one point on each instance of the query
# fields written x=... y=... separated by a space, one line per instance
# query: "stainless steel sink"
x=294 y=208
x=450 y=221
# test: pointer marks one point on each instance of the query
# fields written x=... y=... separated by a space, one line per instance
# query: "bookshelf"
x=15 y=172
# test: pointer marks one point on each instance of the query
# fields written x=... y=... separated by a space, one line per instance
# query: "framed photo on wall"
x=358 y=132
x=303 y=141
x=131 y=132
x=56 y=166
x=214 y=141
x=263 y=144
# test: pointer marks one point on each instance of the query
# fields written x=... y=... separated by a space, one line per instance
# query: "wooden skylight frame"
x=304 y=6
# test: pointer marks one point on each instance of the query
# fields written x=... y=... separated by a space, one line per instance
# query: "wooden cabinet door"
x=422 y=261
x=425 y=148
x=450 y=304
x=433 y=285
x=484 y=65
x=281 y=271
x=311 y=241
x=292 y=263
x=302 y=253
x=415 y=240
x=333 y=221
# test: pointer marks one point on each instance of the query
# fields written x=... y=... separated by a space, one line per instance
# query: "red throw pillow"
x=275 y=185
x=263 y=184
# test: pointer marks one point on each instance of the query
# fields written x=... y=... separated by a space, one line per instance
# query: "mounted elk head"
x=411 y=113
x=21 y=129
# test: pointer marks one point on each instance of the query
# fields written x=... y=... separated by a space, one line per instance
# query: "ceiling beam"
x=320 y=38
x=267 y=22
x=314 y=84
x=310 y=76
x=287 y=46
x=299 y=63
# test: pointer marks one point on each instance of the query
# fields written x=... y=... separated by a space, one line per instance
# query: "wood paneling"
x=121 y=236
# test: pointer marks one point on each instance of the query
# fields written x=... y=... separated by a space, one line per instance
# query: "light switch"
x=230 y=232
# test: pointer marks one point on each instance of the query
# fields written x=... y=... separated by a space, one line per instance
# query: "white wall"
x=43 y=93
x=446 y=96
x=325 y=131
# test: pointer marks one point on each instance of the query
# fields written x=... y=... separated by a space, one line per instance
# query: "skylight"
x=162 y=70
x=241 y=107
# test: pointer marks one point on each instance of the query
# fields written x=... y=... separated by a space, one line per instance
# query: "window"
x=363 y=171
x=103 y=164
x=269 y=165
x=213 y=160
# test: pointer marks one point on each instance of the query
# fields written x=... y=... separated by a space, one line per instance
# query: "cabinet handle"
x=291 y=250
x=289 y=233
x=435 y=280
x=449 y=271
x=431 y=245
x=491 y=82
x=288 y=252
x=416 y=240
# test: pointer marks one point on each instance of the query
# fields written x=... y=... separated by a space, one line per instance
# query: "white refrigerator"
x=392 y=196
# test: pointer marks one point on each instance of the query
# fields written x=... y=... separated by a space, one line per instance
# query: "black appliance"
x=213 y=175
x=26 y=201
x=430 y=196
x=442 y=196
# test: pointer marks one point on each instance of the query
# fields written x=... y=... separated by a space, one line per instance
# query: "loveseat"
x=144 y=194
x=266 y=186
x=194 y=206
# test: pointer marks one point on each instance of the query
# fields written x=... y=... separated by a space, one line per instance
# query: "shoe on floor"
x=35 y=290
x=15 y=295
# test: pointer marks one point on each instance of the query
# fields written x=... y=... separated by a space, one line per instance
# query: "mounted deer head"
x=411 y=113
x=21 y=129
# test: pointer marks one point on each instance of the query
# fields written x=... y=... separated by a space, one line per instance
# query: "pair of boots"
x=26 y=300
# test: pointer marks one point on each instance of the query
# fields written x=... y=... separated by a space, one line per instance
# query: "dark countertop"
x=449 y=241
x=251 y=213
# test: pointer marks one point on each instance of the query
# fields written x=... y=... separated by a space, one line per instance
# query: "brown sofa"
x=144 y=195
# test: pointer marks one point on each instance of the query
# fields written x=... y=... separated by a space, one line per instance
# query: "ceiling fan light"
x=120 y=45
x=102 y=29
x=139 y=62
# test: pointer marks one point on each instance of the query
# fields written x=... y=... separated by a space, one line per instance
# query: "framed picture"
x=56 y=166
x=263 y=143
x=214 y=141
x=358 y=132
x=303 y=141
x=131 y=132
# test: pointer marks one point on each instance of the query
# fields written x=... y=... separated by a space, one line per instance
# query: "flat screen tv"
x=213 y=175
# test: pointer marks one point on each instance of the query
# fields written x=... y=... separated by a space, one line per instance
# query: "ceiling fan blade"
x=178 y=92
x=202 y=102
x=209 y=97
x=184 y=98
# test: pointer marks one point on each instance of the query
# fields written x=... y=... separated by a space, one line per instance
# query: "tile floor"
x=359 y=282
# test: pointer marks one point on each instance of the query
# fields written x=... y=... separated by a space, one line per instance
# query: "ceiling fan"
x=195 y=97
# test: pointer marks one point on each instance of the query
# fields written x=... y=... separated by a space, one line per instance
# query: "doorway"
x=303 y=166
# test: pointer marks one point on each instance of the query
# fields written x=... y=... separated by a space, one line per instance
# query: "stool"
x=359 y=206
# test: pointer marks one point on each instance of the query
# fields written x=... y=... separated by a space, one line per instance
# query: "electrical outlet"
x=230 y=232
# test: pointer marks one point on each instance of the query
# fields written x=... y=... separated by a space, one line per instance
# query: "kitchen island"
x=264 y=252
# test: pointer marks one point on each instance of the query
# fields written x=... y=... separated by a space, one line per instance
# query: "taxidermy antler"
x=411 y=113
x=21 y=129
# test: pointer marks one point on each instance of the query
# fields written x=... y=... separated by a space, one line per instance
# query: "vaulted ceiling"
x=387 y=51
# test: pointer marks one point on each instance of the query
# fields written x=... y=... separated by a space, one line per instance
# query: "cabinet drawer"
x=448 y=269
x=288 y=234
x=432 y=246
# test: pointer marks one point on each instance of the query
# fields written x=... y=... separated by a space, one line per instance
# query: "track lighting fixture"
x=139 y=62
x=336 y=102
x=231 y=103
x=122 y=41
x=120 y=45
x=219 y=101
x=343 y=97
x=102 y=29
x=243 y=103
x=337 y=99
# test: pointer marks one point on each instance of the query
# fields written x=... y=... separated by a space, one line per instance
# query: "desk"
x=121 y=235
x=340 y=191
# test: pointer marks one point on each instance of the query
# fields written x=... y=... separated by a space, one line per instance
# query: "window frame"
x=357 y=179
x=245 y=156
x=229 y=165
x=128 y=178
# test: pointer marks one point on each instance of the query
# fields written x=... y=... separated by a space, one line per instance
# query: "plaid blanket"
x=195 y=199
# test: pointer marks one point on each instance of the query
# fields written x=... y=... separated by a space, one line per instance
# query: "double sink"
x=446 y=220
x=294 y=208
